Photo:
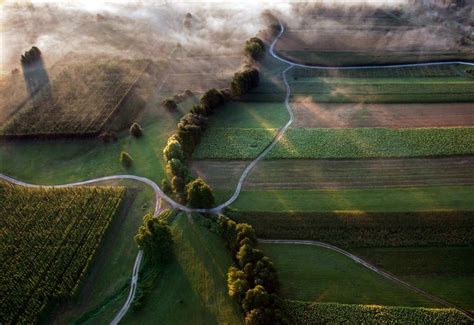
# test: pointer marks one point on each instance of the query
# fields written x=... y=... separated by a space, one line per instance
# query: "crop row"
x=48 y=240
x=366 y=229
x=317 y=143
x=332 y=313
x=423 y=71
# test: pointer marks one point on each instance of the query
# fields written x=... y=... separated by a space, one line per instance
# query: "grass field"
x=363 y=229
x=302 y=312
x=443 y=271
x=315 y=143
x=311 y=273
x=369 y=200
x=50 y=237
x=105 y=287
x=192 y=288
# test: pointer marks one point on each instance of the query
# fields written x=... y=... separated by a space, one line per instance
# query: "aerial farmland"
x=237 y=162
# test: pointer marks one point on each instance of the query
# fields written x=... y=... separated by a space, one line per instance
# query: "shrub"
x=136 y=130
x=199 y=194
x=154 y=237
x=126 y=159
x=255 y=48
x=169 y=104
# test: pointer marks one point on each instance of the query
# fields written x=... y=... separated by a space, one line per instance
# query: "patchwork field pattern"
x=51 y=236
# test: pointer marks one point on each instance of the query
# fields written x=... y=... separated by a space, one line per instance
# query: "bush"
x=136 y=130
x=255 y=48
x=169 y=104
x=199 y=194
x=154 y=237
x=126 y=159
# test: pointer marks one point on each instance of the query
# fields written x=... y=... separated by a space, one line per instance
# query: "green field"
x=363 y=229
x=63 y=161
x=50 y=237
x=317 y=143
x=105 y=287
x=408 y=199
x=302 y=312
x=192 y=288
x=311 y=273
x=442 y=271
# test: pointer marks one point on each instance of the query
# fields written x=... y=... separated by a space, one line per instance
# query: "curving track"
x=159 y=194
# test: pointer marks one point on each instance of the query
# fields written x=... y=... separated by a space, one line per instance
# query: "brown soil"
x=310 y=114
x=325 y=174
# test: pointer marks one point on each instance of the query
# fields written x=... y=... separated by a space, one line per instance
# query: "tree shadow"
x=36 y=76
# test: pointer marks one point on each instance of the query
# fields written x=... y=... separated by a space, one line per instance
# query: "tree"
x=244 y=80
x=211 y=100
x=199 y=194
x=264 y=274
x=246 y=231
x=255 y=48
x=237 y=283
x=178 y=184
x=176 y=168
x=173 y=149
x=169 y=104
x=259 y=316
x=166 y=187
x=154 y=237
x=126 y=159
x=248 y=254
x=136 y=130
x=255 y=298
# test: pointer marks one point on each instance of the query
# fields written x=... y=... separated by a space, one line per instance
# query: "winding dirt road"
x=159 y=194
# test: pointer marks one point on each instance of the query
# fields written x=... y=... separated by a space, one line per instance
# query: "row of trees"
x=253 y=281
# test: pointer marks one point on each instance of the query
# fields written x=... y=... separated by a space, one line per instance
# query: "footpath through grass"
x=321 y=143
x=312 y=273
x=192 y=288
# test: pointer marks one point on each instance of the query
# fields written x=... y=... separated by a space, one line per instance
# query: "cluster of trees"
x=255 y=48
x=244 y=80
x=155 y=238
x=31 y=56
x=253 y=281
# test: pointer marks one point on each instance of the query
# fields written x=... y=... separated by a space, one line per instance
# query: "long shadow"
x=35 y=75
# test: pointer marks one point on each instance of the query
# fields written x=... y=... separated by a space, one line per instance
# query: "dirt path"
x=371 y=267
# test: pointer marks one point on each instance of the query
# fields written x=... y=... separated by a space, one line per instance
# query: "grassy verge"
x=443 y=271
x=363 y=229
x=316 y=143
x=313 y=273
x=406 y=199
x=329 y=313
x=192 y=288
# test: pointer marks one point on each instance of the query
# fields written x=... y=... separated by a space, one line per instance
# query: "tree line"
x=253 y=281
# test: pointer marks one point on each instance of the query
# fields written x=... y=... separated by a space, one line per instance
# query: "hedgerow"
x=366 y=229
x=48 y=239
x=332 y=313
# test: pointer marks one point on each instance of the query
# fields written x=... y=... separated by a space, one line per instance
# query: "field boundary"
x=371 y=267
